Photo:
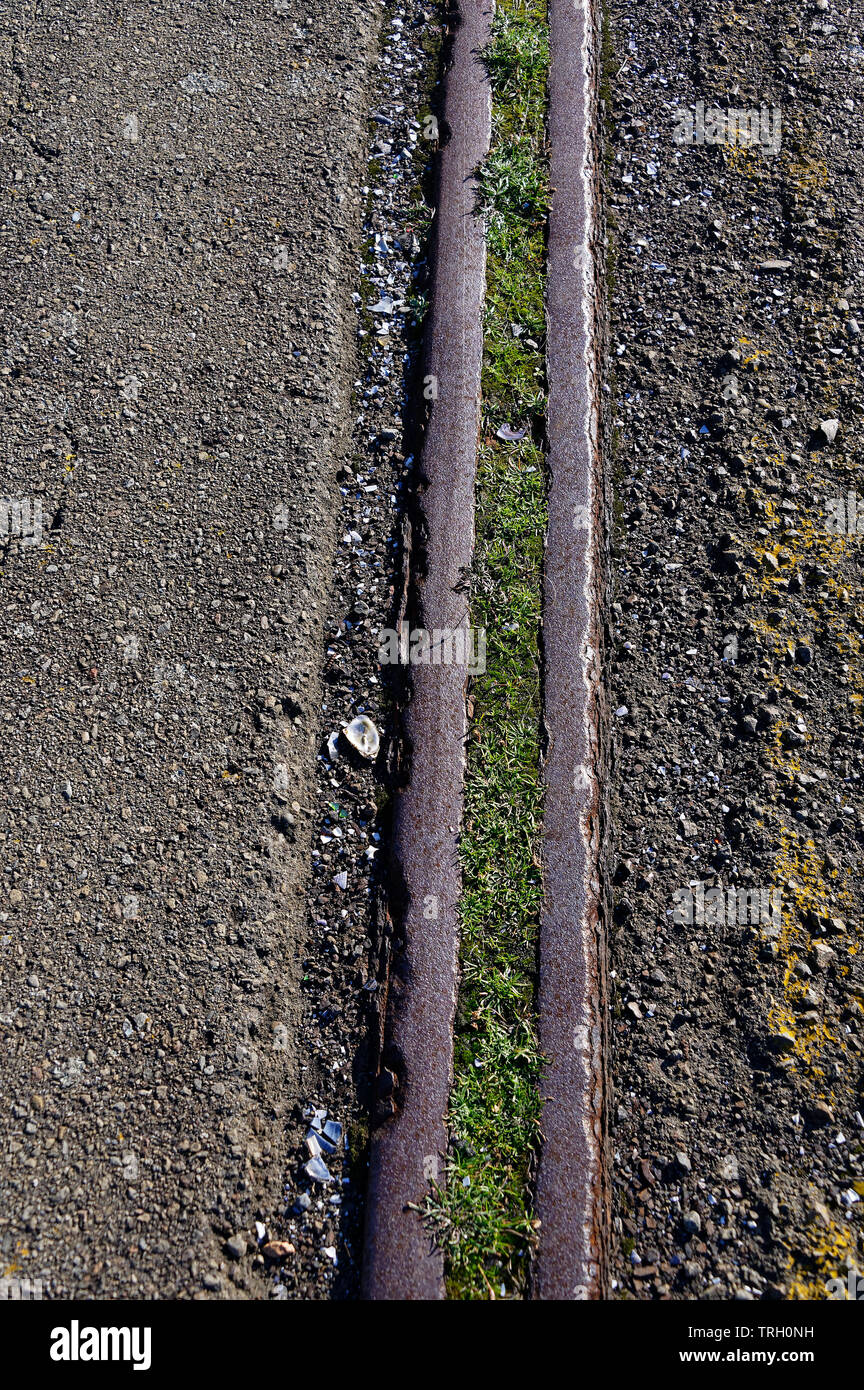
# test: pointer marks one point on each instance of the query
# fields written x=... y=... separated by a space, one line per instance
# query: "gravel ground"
x=347 y=913
x=179 y=237
x=736 y=295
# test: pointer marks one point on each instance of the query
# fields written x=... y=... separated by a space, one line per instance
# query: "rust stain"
x=409 y=1139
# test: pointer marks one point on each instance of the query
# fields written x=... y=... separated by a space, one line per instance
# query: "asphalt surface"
x=179 y=240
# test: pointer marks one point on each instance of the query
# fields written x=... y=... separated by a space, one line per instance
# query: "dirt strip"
x=419 y=1001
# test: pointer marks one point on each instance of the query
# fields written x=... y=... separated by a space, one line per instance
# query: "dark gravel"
x=737 y=675
x=346 y=903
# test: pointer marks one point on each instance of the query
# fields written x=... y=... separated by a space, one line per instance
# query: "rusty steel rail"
x=409 y=1137
x=572 y=1192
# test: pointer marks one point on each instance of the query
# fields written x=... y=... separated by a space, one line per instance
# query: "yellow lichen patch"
x=13 y=1268
x=807 y=892
x=808 y=173
x=752 y=359
x=746 y=160
x=830 y=619
x=796 y=544
x=829 y=1249
x=804 y=164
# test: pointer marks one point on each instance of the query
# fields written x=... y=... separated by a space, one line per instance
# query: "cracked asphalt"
x=179 y=231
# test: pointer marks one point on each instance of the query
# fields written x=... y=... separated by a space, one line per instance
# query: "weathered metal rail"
x=410 y=1137
x=572 y=1199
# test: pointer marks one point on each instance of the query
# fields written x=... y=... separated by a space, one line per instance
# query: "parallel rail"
x=416 y=1072
x=571 y=1187
x=409 y=1139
